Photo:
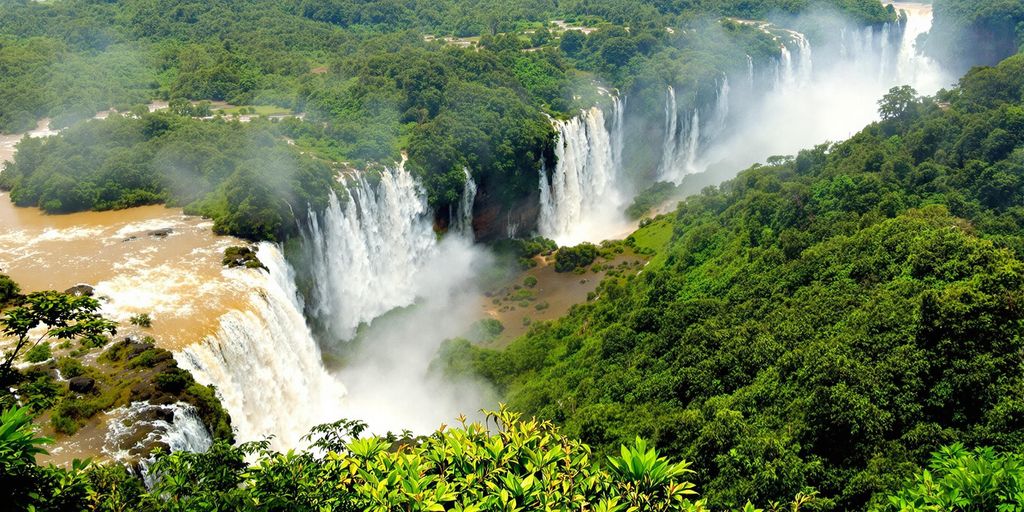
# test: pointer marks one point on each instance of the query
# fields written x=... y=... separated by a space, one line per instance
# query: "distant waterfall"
x=668 y=152
x=365 y=250
x=264 y=361
x=463 y=220
x=581 y=194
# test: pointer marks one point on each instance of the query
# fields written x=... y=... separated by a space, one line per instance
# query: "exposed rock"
x=80 y=290
x=493 y=221
x=160 y=233
x=81 y=384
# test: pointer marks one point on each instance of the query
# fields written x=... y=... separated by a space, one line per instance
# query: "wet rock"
x=160 y=233
x=80 y=290
x=129 y=239
x=81 y=384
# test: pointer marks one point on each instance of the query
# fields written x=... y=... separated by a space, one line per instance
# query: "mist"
x=838 y=97
x=390 y=384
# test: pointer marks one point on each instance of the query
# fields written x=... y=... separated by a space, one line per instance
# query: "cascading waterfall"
x=264 y=361
x=826 y=100
x=580 y=195
x=618 y=129
x=668 y=155
x=692 y=143
x=134 y=429
x=366 y=250
x=721 y=113
x=463 y=223
x=750 y=71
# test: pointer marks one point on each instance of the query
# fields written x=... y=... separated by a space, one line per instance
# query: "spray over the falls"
x=384 y=294
x=581 y=199
x=264 y=361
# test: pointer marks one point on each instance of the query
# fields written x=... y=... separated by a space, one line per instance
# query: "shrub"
x=142 y=320
x=485 y=330
x=39 y=353
x=70 y=367
x=568 y=259
x=530 y=282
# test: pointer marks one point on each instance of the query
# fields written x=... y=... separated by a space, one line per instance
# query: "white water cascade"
x=668 y=153
x=462 y=223
x=134 y=428
x=691 y=137
x=366 y=249
x=264 y=361
x=579 y=201
x=828 y=100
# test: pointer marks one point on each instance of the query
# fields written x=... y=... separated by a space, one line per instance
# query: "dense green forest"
x=823 y=322
x=374 y=78
x=239 y=174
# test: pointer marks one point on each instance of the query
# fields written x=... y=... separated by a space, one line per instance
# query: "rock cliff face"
x=494 y=221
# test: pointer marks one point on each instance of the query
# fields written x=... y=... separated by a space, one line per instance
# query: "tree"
x=63 y=316
x=899 y=104
x=572 y=42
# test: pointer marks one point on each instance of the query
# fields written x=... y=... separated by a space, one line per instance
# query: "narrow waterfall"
x=806 y=69
x=618 y=129
x=463 y=222
x=750 y=71
x=668 y=152
x=366 y=249
x=579 y=199
x=264 y=360
x=692 y=144
x=721 y=114
x=786 y=74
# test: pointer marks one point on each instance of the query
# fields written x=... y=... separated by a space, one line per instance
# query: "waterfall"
x=668 y=154
x=365 y=251
x=618 y=129
x=806 y=58
x=134 y=429
x=912 y=66
x=463 y=224
x=692 y=144
x=721 y=113
x=787 y=76
x=750 y=71
x=580 y=195
x=264 y=360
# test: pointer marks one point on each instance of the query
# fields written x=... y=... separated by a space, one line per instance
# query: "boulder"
x=81 y=384
x=80 y=290
x=160 y=233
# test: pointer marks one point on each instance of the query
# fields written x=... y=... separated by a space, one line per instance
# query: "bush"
x=62 y=424
x=39 y=353
x=142 y=320
x=173 y=381
x=70 y=367
x=568 y=259
x=9 y=290
x=530 y=282
x=485 y=330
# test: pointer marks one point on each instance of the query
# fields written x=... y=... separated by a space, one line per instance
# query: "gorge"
x=414 y=225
